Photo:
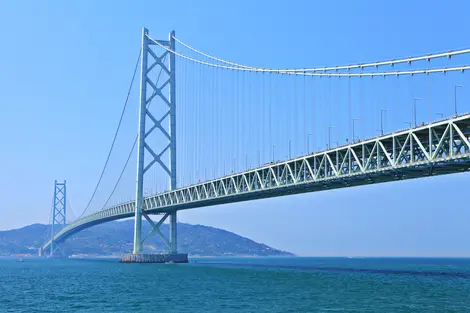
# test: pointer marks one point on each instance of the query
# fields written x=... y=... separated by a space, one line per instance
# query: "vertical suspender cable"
x=349 y=111
x=314 y=116
x=304 y=113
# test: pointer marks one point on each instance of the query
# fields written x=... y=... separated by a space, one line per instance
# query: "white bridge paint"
x=438 y=148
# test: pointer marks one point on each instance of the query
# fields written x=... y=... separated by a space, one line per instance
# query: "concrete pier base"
x=154 y=258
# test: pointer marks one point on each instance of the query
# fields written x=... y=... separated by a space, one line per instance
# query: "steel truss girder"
x=438 y=148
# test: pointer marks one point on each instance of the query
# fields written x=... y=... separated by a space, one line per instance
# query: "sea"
x=289 y=284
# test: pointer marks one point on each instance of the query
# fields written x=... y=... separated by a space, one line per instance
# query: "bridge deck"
x=438 y=148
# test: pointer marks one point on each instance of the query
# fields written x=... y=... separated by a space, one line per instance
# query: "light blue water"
x=237 y=285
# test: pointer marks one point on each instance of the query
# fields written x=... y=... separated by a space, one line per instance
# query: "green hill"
x=115 y=238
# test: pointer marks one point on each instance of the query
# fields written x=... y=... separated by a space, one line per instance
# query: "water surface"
x=237 y=285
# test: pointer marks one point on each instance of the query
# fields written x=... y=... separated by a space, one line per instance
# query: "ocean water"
x=237 y=285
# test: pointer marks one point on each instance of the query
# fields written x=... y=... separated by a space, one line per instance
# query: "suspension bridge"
x=247 y=133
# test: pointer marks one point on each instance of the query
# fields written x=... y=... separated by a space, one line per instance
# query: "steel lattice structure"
x=438 y=148
x=59 y=210
x=152 y=61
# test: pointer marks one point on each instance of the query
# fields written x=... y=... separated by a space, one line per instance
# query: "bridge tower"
x=154 y=67
x=59 y=210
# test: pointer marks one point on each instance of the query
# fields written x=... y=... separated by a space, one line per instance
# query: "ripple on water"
x=237 y=285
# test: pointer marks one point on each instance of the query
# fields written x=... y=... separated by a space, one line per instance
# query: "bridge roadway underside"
x=435 y=149
x=367 y=179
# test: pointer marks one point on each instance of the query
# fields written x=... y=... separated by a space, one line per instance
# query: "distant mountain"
x=115 y=238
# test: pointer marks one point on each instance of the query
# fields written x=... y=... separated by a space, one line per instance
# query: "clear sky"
x=64 y=72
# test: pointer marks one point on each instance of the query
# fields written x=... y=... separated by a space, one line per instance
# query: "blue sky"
x=64 y=72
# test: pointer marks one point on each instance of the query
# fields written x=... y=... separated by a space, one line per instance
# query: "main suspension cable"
x=132 y=149
x=115 y=136
x=211 y=57
x=427 y=57
x=313 y=72
x=122 y=173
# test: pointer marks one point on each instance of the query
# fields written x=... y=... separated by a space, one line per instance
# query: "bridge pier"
x=172 y=257
x=155 y=258
x=173 y=234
